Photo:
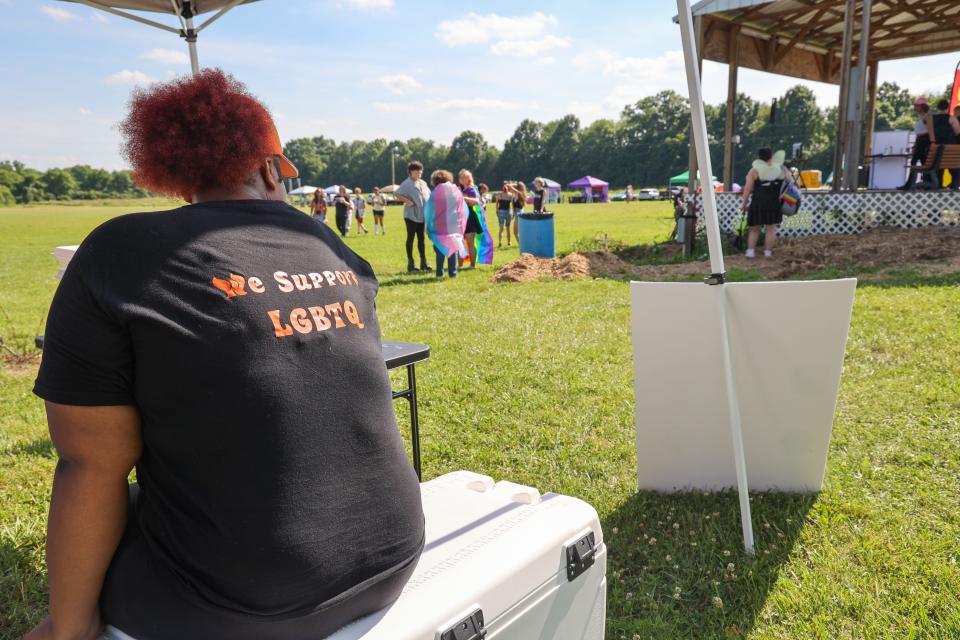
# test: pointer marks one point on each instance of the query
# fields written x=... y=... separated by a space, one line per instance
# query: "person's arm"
x=747 y=188
x=955 y=124
x=97 y=448
x=928 y=119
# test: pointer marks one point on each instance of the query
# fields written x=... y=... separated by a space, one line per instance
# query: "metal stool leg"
x=414 y=419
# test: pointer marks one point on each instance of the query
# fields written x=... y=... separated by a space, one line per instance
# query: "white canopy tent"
x=303 y=191
x=183 y=10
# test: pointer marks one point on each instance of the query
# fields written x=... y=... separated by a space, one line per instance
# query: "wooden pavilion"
x=835 y=41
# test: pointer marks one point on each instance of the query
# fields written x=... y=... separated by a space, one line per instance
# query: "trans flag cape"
x=483 y=239
x=445 y=215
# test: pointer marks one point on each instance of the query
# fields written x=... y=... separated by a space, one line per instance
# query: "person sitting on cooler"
x=217 y=348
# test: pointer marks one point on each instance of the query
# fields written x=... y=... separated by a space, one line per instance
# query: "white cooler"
x=500 y=562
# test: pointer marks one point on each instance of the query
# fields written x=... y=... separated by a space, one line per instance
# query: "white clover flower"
x=652 y=541
x=717 y=602
x=730 y=567
x=726 y=552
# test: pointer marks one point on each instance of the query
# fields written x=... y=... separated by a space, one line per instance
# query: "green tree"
x=59 y=183
x=467 y=151
x=654 y=139
x=894 y=107
x=522 y=156
x=598 y=151
x=6 y=196
x=561 y=140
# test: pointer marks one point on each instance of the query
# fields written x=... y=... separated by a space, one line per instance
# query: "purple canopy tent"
x=589 y=184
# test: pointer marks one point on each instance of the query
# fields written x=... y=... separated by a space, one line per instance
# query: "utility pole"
x=393 y=165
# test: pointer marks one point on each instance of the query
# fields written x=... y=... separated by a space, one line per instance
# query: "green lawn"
x=543 y=371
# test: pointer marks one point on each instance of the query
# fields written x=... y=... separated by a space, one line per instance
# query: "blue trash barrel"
x=536 y=234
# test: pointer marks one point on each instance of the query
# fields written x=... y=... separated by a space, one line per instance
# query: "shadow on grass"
x=401 y=279
x=23 y=598
x=677 y=566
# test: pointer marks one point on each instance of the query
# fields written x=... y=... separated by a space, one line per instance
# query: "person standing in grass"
x=519 y=202
x=445 y=217
x=319 y=206
x=413 y=193
x=379 y=203
x=343 y=208
x=504 y=201
x=476 y=225
x=269 y=503
x=764 y=182
x=539 y=195
x=359 y=209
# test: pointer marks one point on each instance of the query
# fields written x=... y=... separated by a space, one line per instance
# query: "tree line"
x=20 y=184
x=645 y=146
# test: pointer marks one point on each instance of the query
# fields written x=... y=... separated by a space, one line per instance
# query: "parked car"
x=647 y=194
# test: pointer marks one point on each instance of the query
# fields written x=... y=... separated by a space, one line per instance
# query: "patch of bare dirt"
x=936 y=249
x=20 y=366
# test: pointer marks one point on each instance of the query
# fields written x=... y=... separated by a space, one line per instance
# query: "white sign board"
x=787 y=342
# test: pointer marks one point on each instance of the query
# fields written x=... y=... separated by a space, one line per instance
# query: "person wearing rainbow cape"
x=445 y=216
x=476 y=236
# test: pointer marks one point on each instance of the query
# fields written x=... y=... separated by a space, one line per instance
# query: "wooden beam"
x=797 y=38
x=871 y=108
x=733 y=65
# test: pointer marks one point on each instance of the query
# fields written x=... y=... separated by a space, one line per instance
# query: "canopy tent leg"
x=690 y=222
x=699 y=130
x=733 y=67
x=191 y=37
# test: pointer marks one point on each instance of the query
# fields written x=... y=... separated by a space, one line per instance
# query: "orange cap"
x=287 y=168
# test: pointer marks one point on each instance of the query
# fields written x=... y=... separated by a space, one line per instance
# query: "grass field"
x=544 y=374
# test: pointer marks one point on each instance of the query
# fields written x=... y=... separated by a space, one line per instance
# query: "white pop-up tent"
x=305 y=190
x=183 y=10
x=747 y=371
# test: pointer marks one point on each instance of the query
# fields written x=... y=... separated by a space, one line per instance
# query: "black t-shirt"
x=343 y=206
x=538 y=198
x=273 y=476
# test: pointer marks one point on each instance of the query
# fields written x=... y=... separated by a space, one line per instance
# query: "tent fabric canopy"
x=304 y=190
x=684 y=178
x=589 y=184
x=804 y=38
x=163 y=6
x=588 y=181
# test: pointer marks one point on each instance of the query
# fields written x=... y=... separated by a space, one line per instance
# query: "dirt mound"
x=879 y=248
x=571 y=267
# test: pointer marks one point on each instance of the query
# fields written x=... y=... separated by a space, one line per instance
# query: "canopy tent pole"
x=851 y=177
x=690 y=222
x=733 y=67
x=699 y=130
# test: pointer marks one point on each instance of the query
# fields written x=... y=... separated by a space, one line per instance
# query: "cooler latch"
x=580 y=556
x=470 y=628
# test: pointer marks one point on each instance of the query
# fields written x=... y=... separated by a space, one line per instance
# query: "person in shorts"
x=505 y=199
x=319 y=207
x=359 y=209
x=379 y=203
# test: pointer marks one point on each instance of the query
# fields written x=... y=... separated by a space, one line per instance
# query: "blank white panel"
x=787 y=342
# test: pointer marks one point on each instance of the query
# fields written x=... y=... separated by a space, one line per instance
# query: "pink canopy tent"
x=591 y=186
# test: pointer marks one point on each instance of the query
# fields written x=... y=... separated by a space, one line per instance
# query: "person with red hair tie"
x=216 y=348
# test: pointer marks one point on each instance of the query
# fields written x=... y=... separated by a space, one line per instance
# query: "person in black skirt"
x=765 y=183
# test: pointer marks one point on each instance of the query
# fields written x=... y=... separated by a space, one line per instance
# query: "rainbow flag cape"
x=445 y=215
x=483 y=240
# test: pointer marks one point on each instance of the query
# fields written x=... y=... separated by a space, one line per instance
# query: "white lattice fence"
x=824 y=212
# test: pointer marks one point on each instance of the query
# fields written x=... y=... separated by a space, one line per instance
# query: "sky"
x=362 y=69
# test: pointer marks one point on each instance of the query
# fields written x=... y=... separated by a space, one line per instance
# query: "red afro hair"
x=195 y=133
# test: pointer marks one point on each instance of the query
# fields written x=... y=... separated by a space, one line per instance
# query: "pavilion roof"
x=804 y=38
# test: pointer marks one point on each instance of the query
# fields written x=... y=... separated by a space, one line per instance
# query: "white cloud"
x=370 y=4
x=477 y=29
x=400 y=84
x=85 y=112
x=661 y=71
x=97 y=16
x=129 y=77
x=60 y=15
x=456 y=104
x=529 y=48
x=166 y=56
